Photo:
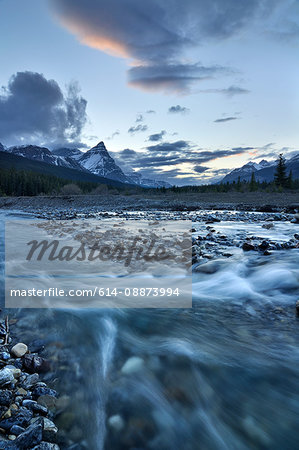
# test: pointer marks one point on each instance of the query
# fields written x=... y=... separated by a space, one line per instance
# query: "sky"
x=180 y=91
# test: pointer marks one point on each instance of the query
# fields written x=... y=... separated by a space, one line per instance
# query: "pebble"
x=19 y=350
x=132 y=365
x=116 y=422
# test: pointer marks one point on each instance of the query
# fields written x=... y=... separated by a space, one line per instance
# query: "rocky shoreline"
x=69 y=206
x=27 y=404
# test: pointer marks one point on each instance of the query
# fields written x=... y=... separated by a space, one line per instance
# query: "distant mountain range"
x=96 y=161
x=263 y=171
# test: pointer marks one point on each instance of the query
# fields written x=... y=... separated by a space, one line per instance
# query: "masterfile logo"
x=92 y=263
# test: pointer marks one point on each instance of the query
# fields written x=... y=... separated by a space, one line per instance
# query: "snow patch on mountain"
x=98 y=161
x=138 y=179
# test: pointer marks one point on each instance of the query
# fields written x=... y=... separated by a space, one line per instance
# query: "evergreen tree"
x=253 y=184
x=290 y=180
x=280 y=176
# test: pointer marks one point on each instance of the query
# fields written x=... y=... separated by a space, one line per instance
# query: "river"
x=223 y=374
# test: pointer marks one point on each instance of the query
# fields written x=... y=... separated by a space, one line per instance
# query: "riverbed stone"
x=19 y=350
x=116 y=422
x=6 y=377
x=16 y=430
x=49 y=430
x=132 y=365
x=5 y=397
x=35 y=363
x=30 y=437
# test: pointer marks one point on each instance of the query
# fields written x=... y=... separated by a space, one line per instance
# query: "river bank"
x=250 y=201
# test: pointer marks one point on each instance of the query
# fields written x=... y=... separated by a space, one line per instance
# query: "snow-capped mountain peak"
x=138 y=179
x=263 y=171
x=98 y=161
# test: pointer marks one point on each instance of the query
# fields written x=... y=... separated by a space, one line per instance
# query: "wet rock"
x=31 y=380
x=22 y=418
x=132 y=365
x=46 y=446
x=47 y=400
x=21 y=392
x=297 y=306
x=34 y=363
x=247 y=247
x=42 y=390
x=268 y=226
x=6 y=377
x=49 y=431
x=5 y=397
x=30 y=437
x=4 y=356
x=14 y=370
x=208 y=268
x=116 y=422
x=35 y=407
x=264 y=245
x=19 y=350
x=16 y=430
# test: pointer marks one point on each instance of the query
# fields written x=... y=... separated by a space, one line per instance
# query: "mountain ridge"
x=96 y=161
x=263 y=171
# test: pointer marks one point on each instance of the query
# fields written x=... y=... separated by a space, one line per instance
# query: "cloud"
x=156 y=37
x=178 y=109
x=229 y=92
x=127 y=153
x=150 y=111
x=116 y=133
x=175 y=154
x=170 y=146
x=200 y=169
x=157 y=136
x=35 y=109
x=171 y=77
x=139 y=118
x=225 y=119
x=174 y=160
x=138 y=129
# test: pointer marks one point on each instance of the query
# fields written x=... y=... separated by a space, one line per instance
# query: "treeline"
x=235 y=186
x=26 y=183
x=282 y=181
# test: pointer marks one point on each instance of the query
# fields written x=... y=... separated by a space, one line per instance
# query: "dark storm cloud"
x=34 y=108
x=157 y=35
x=138 y=129
x=157 y=136
x=225 y=119
x=178 y=109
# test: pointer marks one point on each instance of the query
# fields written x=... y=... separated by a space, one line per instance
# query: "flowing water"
x=222 y=375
